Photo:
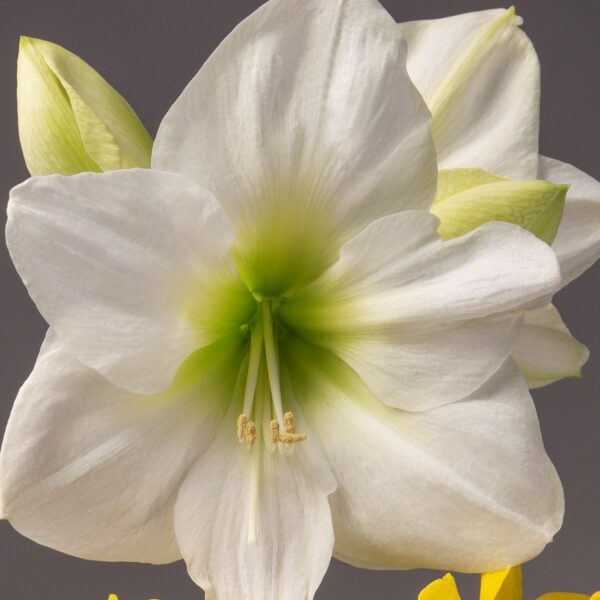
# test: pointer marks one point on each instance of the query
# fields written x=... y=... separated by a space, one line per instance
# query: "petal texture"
x=122 y=265
x=305 y=124
x=577 y=243
x=479 y=75
x=545 y=350
x=92 y=470
x=294 y=537
x=466 y=486
x=410 y=312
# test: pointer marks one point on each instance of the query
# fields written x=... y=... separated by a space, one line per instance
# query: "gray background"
x=148 y=50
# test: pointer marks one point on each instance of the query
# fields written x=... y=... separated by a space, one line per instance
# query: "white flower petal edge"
x=473 y=487
x=293 y=528
x=479 y=74
x=309 y=101
x=577 y=243
x=407 y=310
x=126 y=256
x=92 y=470
x=545 y=350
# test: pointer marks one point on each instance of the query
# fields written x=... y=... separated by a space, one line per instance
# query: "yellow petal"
x=70 y=118
x=502 y=585
x=113 y=597
x=441 y=589
x=468 y=198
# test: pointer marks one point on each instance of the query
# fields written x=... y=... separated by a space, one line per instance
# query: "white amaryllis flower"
x=261 y=351
x=480 y=76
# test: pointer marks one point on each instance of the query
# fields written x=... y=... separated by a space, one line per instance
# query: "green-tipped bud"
x=468 y=198
x=70 y=118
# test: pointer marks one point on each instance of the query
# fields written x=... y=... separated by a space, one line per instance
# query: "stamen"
x=272 y=362
x=250 y=432
x=263 y=332
x=289 y=422
x=242 y=421
x=274 y=426
x=256 y=343
x=290 y=437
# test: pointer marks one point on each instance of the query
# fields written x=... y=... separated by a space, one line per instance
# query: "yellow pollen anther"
x=242 y=421
x=289 y=422
x=251 y=432
x=290 y=437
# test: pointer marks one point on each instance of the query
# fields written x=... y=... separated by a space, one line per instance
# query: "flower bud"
x=468 y=198
x=70 y=118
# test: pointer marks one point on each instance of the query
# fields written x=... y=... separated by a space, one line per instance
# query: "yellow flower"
x=500 y=585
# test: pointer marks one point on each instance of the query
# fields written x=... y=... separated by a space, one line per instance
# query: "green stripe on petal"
x=468 y=198
x=464 y=68
x=70 y=118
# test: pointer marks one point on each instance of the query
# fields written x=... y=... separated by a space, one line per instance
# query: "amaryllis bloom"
x=480 y=76
x=261 y=351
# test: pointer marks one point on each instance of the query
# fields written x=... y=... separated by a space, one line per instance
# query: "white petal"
x=466 y=486
x=479 y=75
x=294 y=536
x=122 y=265
x=577 y=243
x=304 y=120
x=399 y=270
x=406 y=309
x=92 y=470
x=418 y=368
x=545 y=350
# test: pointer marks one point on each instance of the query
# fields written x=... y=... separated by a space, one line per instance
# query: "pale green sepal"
x=70 y=118
x=545 y=350
x=453 y=181
x=49 y=134
x=480 y=197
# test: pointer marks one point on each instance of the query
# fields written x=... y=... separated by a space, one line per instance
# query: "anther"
x=292 y=438
x=274 y=426
x=289 y=422
x=242 y=421
x=250 y=432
